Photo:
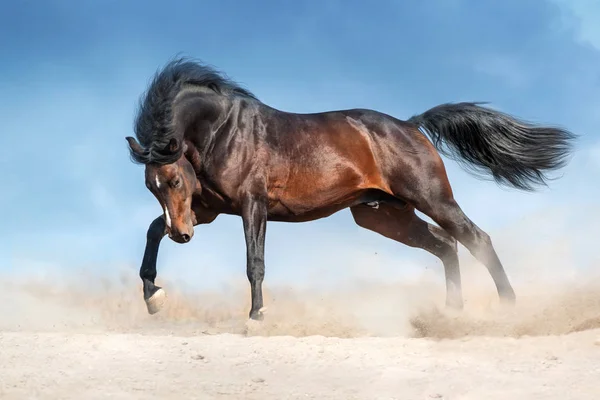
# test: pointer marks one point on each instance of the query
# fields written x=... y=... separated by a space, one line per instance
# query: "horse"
x=211 y=147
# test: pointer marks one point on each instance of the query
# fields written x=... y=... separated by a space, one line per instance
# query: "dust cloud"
x=361 y=309
x=68 y=334
x=557 y=287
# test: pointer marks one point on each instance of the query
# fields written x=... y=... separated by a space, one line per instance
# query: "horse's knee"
x=156 y=230
x=481 y=246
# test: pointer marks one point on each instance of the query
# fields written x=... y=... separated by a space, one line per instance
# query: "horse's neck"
x=227 y=109
x=203 y=141
x=193 y=156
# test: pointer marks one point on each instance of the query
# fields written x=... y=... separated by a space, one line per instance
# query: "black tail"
x=485 y=141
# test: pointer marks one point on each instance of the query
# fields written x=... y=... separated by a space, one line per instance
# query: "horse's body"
x=211 y=147
x=311 y=166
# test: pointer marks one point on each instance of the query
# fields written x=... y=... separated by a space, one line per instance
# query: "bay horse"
x=211 y=147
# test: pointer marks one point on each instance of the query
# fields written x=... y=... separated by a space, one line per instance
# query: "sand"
x=135 y=366
x=362 y=342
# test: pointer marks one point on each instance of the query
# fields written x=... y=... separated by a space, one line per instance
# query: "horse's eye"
x=175 y=183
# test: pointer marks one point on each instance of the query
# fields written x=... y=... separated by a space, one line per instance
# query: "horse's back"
x=344 y=128
x=368 y=135
x=327 y=157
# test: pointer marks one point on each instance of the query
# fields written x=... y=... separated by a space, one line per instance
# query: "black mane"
x=154 y=119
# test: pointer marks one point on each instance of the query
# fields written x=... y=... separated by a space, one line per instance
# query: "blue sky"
x=72 y=73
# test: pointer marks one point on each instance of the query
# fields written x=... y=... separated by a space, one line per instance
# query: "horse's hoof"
x=258 y=315
x=253 y=326
x=456 y=306
x=255 y=322
x=507 y=304
x=508 y=300
x=156 y=301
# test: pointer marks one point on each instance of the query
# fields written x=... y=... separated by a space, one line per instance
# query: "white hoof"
x=156 y=301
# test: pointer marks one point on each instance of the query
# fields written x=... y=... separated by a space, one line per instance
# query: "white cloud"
x=587 y=13
x=505 y=67
x=592 y=154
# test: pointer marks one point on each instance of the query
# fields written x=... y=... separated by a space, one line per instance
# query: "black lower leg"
x=478 y=243
x=255 y=222
x=446 y=250
x=155 y=233
x=484 y=251
x=256 y=273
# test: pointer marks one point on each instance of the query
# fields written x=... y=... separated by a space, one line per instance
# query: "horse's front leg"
x=254 y=216
x=154 y=296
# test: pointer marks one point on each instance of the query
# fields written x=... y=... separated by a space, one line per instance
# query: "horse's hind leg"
x=447 y=213
x=403 y=225
x=435 y=200
x=421 y=180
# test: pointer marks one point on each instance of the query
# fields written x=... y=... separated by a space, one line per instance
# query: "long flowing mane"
x=153 y=125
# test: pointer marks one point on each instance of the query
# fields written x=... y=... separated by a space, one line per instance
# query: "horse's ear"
x=172 y=147
x=214 y=88
x=134 y=145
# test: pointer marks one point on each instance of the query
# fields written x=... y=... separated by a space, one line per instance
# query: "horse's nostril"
x=185 y=237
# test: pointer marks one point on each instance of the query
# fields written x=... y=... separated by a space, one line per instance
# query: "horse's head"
x=173 y=185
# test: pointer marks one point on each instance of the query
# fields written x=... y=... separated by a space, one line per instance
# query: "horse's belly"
x=311 y=193
x=318 y=204
x=302 y=213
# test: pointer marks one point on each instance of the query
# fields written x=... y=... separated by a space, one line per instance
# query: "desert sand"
x=363 y=342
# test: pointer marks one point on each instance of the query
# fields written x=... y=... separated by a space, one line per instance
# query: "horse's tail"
x=485 y=141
